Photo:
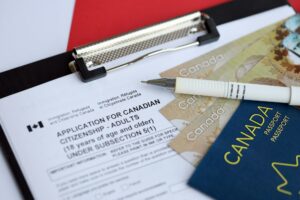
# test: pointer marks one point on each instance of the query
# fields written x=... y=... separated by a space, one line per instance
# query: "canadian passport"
x=257 y=155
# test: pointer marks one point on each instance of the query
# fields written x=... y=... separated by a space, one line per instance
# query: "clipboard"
x=40 y=72
x=33 y=74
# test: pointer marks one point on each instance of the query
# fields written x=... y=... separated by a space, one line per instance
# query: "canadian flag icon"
x=30 y=128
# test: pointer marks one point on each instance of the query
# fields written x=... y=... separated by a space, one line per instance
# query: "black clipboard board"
x=36 y=73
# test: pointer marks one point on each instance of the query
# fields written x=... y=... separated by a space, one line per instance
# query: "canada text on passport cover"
x=257 y=155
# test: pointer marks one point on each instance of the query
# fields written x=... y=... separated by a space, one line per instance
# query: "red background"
x=95 y=20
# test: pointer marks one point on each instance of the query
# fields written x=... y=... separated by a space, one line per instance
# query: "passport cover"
x=257 y=155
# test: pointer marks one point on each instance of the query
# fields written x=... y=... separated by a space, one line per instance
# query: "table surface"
x=32 y=30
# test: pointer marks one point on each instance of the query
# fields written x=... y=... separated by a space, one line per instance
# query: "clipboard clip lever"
x=89 y=59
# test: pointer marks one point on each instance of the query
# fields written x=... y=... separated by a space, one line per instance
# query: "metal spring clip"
x=96 y=54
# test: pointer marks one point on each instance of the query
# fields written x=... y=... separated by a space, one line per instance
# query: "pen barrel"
x=201 y=87
x=256 y=92
x=234 y=90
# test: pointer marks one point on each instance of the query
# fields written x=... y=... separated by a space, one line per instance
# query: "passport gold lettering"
x=280 y=129
x=256 y=121
x=272 y=123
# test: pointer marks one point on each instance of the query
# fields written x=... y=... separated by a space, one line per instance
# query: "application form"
x=100 y=140
x=106 y=139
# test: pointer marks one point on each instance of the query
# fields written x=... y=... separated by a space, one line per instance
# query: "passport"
x=256 y=156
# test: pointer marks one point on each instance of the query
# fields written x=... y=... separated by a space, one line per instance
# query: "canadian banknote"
x=181 y=111
x=206 y=64
x=280 y=66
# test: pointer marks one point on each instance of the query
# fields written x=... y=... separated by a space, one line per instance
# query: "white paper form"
x=106 y=139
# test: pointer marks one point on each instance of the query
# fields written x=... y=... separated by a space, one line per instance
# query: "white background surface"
x=34 y=29
x=30 y=30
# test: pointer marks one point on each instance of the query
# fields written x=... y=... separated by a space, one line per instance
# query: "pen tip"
x=163 y=82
